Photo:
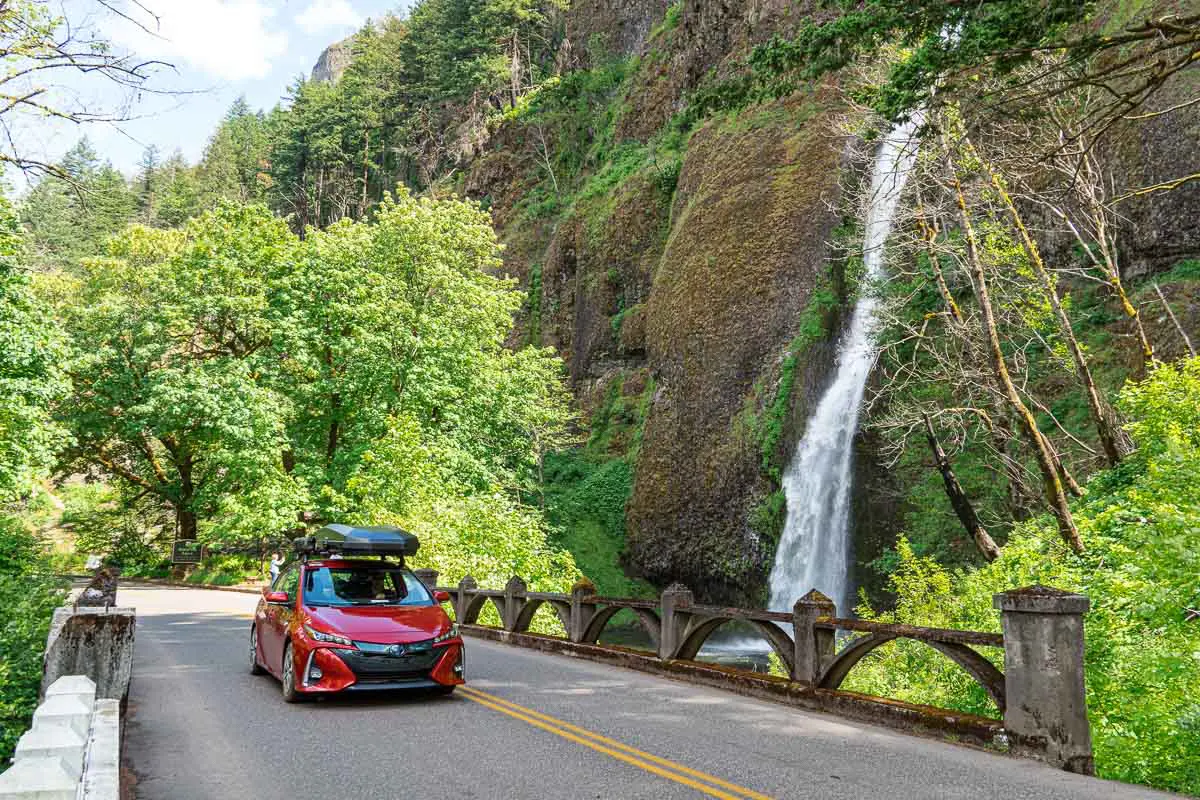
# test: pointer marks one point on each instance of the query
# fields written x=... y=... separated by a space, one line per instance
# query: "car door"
x=277 y=617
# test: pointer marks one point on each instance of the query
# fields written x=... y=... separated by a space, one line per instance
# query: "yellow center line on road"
x=651 y=763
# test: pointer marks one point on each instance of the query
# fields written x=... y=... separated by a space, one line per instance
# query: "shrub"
x=28 y=601
x=1140 y=522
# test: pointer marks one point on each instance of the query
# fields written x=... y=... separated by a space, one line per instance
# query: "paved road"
x=533 y=726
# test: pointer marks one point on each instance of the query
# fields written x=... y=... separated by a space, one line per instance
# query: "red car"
x=333 y=623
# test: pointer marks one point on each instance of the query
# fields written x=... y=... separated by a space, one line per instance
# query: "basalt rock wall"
x=692 y=292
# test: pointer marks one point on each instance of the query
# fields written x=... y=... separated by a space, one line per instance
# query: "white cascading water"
x=814 y=551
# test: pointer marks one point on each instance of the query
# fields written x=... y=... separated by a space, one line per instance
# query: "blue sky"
x=220 y=49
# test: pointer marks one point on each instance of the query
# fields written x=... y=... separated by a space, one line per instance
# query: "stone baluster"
x=813 y=645
x=581 y=611
x=463 y=599
x=676 y=598
x=514 y=599
x=428 y=577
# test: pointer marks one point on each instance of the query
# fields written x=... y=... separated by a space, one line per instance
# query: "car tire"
x=255 y=667
x=444 y=690
x=290 y=695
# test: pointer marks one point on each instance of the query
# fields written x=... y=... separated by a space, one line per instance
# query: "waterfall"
x=814 y=551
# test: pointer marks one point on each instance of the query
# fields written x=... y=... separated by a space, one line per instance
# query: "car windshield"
x=364 y=586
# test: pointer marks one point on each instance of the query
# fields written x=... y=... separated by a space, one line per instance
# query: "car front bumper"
x=343 y=669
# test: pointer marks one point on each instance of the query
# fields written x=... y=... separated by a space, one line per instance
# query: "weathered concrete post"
x=514 y=598
x=581 y=612
x=813 y=645
x=97 y=642
x=675 y=598
x=1046 y=714
x=462 y=599
x=428 y=577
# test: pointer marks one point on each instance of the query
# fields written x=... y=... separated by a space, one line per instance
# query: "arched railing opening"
x=742 y=644
x=624 y=627
x=920 y=671
x=545 y=618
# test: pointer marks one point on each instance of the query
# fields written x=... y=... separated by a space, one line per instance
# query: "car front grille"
x=378 y=662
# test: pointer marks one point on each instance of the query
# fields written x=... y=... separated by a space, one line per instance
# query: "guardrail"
x=73 y=749
x=1040 y=692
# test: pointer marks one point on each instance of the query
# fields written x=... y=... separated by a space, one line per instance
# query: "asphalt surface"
x=530 y=726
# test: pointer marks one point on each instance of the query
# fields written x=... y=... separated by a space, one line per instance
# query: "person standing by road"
x=276 y=565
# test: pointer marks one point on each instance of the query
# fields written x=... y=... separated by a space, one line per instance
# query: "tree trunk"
x=1113 y=440
x=1090 y=187
x=185 y=523
x=958 y=498
x=1056 y=497
x=366 y=173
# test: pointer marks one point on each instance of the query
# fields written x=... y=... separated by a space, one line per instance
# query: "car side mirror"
x=441 y=597
x=276 y=598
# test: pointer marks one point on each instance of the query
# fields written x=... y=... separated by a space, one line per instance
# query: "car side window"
x=288 y=581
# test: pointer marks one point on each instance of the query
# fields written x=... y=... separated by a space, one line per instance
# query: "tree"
x=146 y=184
x=179 y=193
x=72 y=211
x=234 y=164
x=169 y=332
x=401 y=318
x=31 y=377
x=40 y=47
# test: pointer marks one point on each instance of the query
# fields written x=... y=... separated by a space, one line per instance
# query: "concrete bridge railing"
x=1040 y=692
x=72 y=752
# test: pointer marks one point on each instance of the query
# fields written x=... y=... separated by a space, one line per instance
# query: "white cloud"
x=324 y=14
x=227 y=39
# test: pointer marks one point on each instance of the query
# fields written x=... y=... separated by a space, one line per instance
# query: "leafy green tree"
x=169 y=333
x=402 y=317
x=31 y=377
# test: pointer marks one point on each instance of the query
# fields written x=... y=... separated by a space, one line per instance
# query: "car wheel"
x=290 y=695
x=444 y=690
x=255 y=667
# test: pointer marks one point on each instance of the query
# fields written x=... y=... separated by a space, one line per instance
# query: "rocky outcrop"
x=752 y=220
x=598 y=29
x=333 y=62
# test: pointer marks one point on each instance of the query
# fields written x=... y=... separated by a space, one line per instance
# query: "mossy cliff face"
x=677 y=271
x=750 y=226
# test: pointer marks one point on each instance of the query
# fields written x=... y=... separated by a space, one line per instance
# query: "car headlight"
x=327 y=638
x=449 y=634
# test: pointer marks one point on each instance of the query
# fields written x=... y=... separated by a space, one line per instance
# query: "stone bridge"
x=1039 y=693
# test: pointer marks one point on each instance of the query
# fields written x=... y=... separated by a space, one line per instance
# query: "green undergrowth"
x=29 y=593
x=1141 y=571
x=586 y=490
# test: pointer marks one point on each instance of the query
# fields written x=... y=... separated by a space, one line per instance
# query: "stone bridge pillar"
x=514 y=600
x=581 y=611
x=1046 y=714
x=676 y=599
x=813 y=645
x=462 y=599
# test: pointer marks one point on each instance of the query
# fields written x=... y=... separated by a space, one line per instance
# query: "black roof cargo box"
x=381 y=540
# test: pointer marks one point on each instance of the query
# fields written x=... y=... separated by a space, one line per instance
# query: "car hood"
x=394 y=625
